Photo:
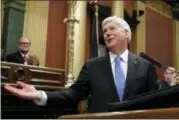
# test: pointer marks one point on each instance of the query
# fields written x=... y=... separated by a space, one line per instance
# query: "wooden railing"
x=40 y=77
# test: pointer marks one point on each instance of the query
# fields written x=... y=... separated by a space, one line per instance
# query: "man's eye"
x=112 y=28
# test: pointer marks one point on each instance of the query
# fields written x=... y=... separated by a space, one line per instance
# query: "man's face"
x=24 y=44
x=169 y=74
x=114 y=35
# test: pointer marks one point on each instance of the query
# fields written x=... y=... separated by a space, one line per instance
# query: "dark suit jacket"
x=163 y=84
x=96 y=79
x=15 y=58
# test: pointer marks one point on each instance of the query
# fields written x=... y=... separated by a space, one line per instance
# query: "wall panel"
x=56 y=37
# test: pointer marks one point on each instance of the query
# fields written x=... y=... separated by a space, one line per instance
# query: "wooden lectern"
x=163 y=104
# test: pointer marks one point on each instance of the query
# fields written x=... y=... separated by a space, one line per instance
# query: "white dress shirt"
x=124 y=62
x=124 y=65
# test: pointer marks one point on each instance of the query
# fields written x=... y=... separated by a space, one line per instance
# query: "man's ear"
x=127 y=34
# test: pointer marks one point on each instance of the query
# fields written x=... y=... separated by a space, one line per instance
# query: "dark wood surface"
x=166 y=113
x=36 y=75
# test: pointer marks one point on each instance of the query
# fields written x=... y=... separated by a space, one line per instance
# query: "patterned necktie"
x=25 y=59
x=120 y=79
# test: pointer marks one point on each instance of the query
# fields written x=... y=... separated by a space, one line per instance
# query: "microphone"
x=153 y=61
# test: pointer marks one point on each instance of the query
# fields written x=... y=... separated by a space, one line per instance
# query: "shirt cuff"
x=43 y=100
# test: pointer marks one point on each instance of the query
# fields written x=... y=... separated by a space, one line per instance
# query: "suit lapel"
x=20 y=57
x=133 y=64
x=107 y=70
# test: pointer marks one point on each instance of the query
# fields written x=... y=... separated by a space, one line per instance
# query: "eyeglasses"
x=24 y=43
x=169 y=72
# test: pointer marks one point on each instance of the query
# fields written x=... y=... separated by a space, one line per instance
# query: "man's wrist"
x=39 y=95
x=41 y=98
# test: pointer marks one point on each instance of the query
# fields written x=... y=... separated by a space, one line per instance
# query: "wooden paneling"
x=87 y=43
x=159 y=38
x=128 y=5
x=56 y=37
x=35 y=27
x=105 y=2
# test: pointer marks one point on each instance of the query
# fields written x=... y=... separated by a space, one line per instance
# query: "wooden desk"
x=44 y=78
x=166 y=113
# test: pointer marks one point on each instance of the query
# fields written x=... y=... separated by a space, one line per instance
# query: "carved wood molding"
x=160 y=6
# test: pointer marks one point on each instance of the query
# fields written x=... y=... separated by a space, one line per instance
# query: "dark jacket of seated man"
x=170 y=78
x=163 y=84
x=15 y=57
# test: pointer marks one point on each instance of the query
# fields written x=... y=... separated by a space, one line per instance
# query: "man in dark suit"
x=114 y=77
x=22 y=54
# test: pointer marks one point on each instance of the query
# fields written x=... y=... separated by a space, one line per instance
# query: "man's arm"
x=78 y=91
x=10 y=58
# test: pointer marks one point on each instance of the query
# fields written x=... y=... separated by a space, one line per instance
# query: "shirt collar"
x=24 y=55
x=124 y=56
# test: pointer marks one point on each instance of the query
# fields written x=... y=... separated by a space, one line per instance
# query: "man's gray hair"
x=121 y=22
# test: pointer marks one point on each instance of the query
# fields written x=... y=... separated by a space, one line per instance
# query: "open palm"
x=23 y=90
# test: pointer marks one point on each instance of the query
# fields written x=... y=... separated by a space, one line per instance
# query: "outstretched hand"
x=24 y=91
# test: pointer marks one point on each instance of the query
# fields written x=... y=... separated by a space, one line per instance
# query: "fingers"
x=15 y=91
x=11 y=89
x=21 y=84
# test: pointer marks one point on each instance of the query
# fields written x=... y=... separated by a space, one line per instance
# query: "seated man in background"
x=22 y=55
x=170 y=76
